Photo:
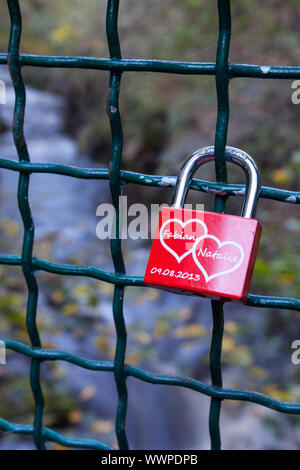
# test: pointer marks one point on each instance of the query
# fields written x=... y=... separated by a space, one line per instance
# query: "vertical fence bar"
x=116 y=189
x=216 y=372
x=24 y=207
x=222 y=83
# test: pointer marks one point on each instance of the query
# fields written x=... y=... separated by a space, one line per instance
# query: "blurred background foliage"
x=164 y=119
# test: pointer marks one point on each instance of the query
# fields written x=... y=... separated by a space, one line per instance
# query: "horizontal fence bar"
x=214 y=392
x=152 y=65
x=282 y=195
x=14 y=260
x=115 y=65
x=265 y=301
x=53 y=436
x=88 y=271
x=161 y=379
x=53 y=355
x=128 y=280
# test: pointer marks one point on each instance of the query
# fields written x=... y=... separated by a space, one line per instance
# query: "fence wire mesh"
x=223 y=72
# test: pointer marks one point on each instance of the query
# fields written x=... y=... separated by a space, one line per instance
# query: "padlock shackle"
x=207 y=154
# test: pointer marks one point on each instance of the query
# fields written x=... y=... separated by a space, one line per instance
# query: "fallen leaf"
x=104 y=426
x=75 y=416
x=142 y=337
x=87 y=393
x=193 y=330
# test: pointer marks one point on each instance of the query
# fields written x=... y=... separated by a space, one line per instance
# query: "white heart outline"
x=183 y=224
x=220 y=244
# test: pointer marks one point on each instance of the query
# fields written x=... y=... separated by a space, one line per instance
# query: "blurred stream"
x=64 y=211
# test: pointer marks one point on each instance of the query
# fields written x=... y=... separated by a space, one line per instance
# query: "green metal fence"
x=223 y=72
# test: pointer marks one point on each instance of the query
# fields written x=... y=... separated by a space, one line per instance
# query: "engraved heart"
x=226 y=259
x=176 y=236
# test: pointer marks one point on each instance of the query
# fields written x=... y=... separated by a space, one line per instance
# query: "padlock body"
x=203 y=253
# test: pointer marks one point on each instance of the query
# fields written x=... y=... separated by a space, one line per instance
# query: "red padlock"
x=206 y=253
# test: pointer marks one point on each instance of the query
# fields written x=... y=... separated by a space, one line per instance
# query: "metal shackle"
x=234 y=155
